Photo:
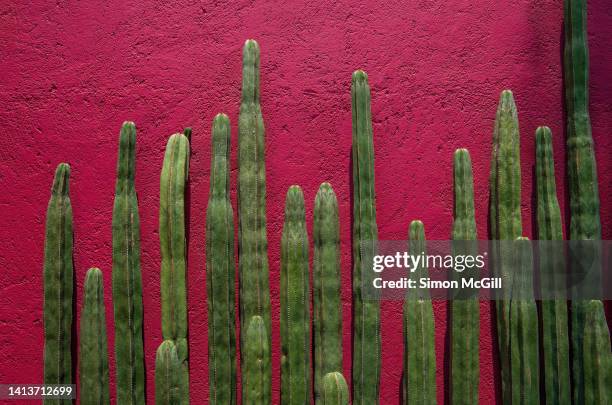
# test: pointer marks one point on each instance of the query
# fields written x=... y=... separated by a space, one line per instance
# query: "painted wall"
x=71 y=72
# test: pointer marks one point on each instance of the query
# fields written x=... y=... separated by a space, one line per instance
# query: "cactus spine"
x=173 y=181
x=295 y=303
x=465 y=311
x=505 y=217
x=220 y=268
x=326 y=284
x=167 y=374
x=252 y=239
x=419 y=334
x=366 y=326
x=127 y=282
x=256 y=381
x=597 y=359
x=58 y=276
x=554 y=312
x=334 y=390
x=93 y=360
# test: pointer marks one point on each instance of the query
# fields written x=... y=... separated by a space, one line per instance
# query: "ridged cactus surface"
x=167 y=375
x=255 y=378
x=597 y=358
x=334 y=390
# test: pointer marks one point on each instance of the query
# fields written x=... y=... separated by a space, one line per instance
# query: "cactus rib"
x=256 y=381
x=167 y=374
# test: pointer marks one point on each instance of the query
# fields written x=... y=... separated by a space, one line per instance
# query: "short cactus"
x=167 y=375
x=255 y=379
x=334 y=390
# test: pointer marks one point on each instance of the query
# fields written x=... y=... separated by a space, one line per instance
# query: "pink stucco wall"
x=72 y=71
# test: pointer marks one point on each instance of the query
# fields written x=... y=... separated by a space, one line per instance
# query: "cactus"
x=597 y=359
x=94 y=388
x=58 y=276
x=465 y=311
x=255 y=379
x=366 y=323
x=167 y=374
x=127 y=282
x=220 y=268
x=252 y=239
x=419 y=335
x=555 y=344
x=295 y=303
x=327 y=311
x=334 y=390
x=173 y=182
x=505 y=217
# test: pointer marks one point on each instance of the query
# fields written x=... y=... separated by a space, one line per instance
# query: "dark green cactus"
x=167 y=375
x=93 y=361
x=597 y=359
x=255 y=379
x=334 y=390
x=419 y=383
x=327 y=311
x=295 y=303
x=366 y=323
x=127 y=281
x=252 y=238
x=173 y=181
x=505 y=218
x=554 y=311
x=465 y=311
x=220 y=268
x=58 y=276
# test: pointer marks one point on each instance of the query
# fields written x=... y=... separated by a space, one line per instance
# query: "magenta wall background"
x=72 y=71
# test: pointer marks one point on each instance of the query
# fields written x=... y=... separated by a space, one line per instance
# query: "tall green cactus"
x=93 y=354
x=255 y=380
x=295 y=303
x=252 y=238
x=465 y=311
x=554 y=311
x=597 y=359
x=334 y=390
x=173 y=181
x=167 y=375
x=505 y=218
x=327 y=311
x=366 y=321
x=58 y=276
x=127 y=281
x=220 y=268
x=419 y=383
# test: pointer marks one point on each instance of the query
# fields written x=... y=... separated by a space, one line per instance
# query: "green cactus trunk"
x=334 y=390
x=295 y=303
x=167 y=375
x=255 y=380
x=58 y=279
x=173 y=181
x=505 y=219
x=554 y=311
x=327 y=311
x=465 y=311
x=220 y=270
x=419 y=383
x=366 y=319
x=127 y=282
x=93 y=354
x=252 y=238
x=597 y=359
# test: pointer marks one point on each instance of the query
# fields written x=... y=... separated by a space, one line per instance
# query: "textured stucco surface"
x=72 y=71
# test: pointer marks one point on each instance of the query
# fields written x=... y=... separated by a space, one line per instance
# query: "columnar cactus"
x=334 y=390
x=597 y=359
x=465 y=311
x=173 y=181
x=366 y=321
x=327 y=311
x=58 y=276
x=554 y=311
x=167 y=375
x=127 y=282
x=419 y=383
x=220 y=268
x=255 y=380
x=505 y=217
x=295 y=303
x=252 y=238
x=93 y=354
